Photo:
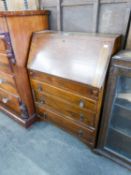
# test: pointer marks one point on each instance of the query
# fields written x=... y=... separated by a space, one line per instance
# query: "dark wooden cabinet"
x=16 y=29
x=115 y=133
x=67 y=74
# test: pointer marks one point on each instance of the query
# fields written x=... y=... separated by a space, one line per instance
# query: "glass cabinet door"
x=119 y=131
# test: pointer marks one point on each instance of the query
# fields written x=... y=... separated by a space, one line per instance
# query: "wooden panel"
x=21 y=28
x=49 y=50
x=7 y=82
x=4 y=63
x=9 y=100
x=64 y=94
x=77 y=88
x=83 y=133
x=80 y=114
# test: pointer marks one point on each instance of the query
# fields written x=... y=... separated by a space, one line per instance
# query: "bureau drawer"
x=75 y=99
x=74 y=87
x=4 y=63
x=85 y=117
x=7 y=82
x=9 y=100
x=83 y=133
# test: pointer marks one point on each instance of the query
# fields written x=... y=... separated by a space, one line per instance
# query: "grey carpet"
x=45 y=149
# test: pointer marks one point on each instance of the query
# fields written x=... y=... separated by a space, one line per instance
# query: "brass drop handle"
x=82 y=104
x=40 y=88
x=42 y=101
x=80 y=133
x=82 y=117
x=5 y=100
x=2 y=81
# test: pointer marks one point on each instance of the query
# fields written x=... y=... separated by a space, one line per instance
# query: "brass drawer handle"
x=2 y=81
x=82 y=104
x=42 y=102
x=82 y=117
x=80 y=133
x=40 y=88
x=5 y=100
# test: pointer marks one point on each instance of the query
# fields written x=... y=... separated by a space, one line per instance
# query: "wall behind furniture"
x=104 y=16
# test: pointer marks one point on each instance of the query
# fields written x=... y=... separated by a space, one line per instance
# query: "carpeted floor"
x=44 y=149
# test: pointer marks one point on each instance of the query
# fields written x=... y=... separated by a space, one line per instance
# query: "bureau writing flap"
x=79 y=57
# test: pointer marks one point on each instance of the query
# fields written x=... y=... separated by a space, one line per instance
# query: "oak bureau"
x=67 y=74
x=16 y=29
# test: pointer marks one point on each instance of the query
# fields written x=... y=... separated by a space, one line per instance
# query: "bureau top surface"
x=79 y=57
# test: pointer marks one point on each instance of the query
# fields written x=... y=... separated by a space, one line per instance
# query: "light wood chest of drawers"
x=16 y=29
x=67 y=74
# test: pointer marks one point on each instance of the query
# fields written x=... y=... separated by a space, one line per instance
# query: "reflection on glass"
x=119 y=133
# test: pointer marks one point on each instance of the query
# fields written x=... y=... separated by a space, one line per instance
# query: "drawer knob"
x=5 y=100
x=2 y=80
x=82 y=104
x=42 y=102
x=82 y=117
x=40 y=88
x=80 y=133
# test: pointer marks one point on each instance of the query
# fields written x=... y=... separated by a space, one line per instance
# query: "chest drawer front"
x=83 y=133
x=74 y=87
x=7 y=82
x=4 y=63
x=80 y=115
x=63 y=94
x=9 y=100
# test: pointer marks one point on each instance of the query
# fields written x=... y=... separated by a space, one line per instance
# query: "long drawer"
x=9 y=100
x=82 y=132
x=84 y=116
x=4 y=63
x=74 y=87
x=7 y=82
x=75 y=99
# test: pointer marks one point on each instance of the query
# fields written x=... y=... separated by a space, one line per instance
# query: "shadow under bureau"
x=67 y=74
